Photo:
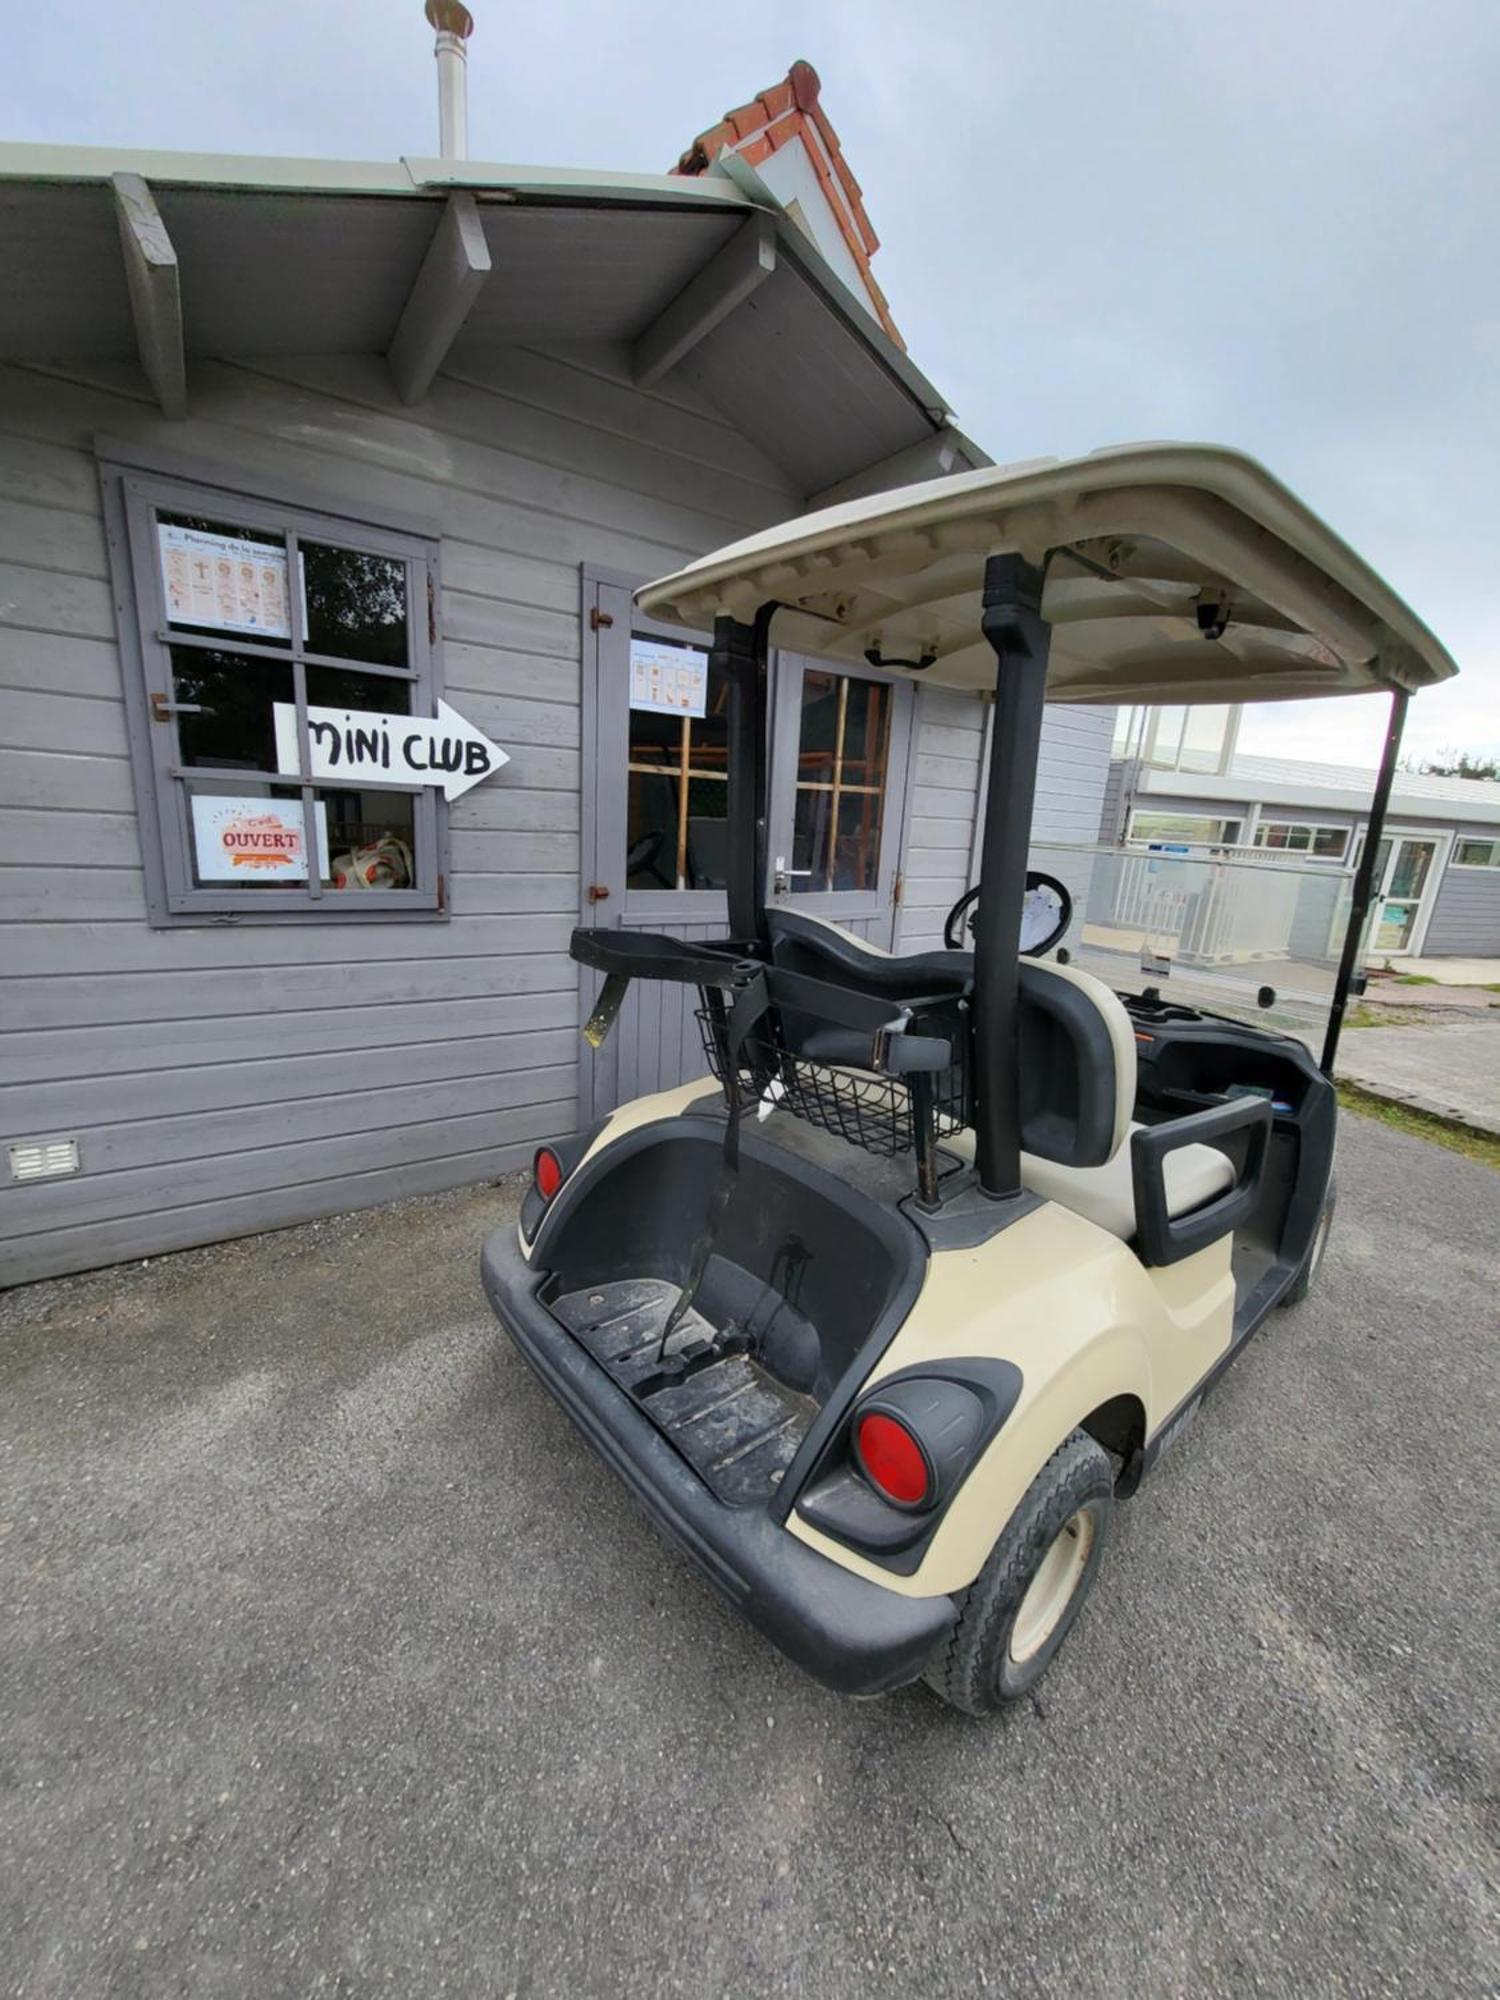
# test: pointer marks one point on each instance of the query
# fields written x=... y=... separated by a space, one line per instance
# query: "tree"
x=1459 y=764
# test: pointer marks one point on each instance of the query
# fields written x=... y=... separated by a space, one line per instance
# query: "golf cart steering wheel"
x=1045 y=915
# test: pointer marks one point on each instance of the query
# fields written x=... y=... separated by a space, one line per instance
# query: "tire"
x=995 y=1655
x=1307 y=1277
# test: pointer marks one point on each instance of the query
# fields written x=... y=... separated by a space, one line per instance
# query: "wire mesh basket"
x=881 y=1114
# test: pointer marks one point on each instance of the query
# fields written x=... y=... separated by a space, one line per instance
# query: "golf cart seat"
x=1078 y=1071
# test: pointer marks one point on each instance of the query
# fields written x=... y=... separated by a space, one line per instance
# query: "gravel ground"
x=333 y=1664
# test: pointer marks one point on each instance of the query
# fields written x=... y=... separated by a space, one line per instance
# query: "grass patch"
x=1415 y=979
x=1363 y=1015
x=1422 y=1125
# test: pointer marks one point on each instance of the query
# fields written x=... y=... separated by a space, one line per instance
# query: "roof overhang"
x=1175 y=573
x=168 y=257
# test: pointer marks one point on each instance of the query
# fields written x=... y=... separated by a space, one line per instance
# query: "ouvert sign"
x=445 y=749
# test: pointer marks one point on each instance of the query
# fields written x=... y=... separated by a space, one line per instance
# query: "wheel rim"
x=1053 y=1588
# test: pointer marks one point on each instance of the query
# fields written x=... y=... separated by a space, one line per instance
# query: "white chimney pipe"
x=454 y=24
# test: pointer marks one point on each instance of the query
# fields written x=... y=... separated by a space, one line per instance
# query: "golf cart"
x=882 y=1316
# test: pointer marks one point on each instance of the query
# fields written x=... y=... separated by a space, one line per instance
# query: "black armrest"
x=1162 y=1240
x=625 y=954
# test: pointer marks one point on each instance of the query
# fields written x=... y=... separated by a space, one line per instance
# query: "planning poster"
x=224 y=582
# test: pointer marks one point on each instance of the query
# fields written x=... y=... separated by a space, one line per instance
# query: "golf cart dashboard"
x=1188 y=1060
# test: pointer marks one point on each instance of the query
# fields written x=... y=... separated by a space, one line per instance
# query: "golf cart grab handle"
x=1163 y=1239
x=653 y=955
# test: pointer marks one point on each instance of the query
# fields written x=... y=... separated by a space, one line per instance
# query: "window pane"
x=355 y=604
x=810 y=842
x=372 y=840
x=221 y=576
x=707 y=858
x=842 y=751
x=656 y=738
x=234 y=729
x=1166 y=737
x=856 y=859
x=337 y=687
x=1478 y=854
x=1329 y=841
x=866 y=728
x=1183 y=827
x=1204 y=732
x=1413 y=859
x=818 y=736
x=676 y=838
x=245 y=835
x=651 y=831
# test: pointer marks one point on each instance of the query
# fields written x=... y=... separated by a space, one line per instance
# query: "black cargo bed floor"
x=735 y=1424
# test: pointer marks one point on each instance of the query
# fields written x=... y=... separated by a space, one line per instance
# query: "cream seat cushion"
x=1106 y=1195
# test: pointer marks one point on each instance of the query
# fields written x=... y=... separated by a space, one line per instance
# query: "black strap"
x=749 y=1006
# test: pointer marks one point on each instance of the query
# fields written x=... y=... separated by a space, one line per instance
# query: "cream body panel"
x=640 y=1111
x=1084 y=1321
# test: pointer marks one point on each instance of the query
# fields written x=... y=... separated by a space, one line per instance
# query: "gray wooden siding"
x=1072 y=772
x=1466 y=913
x=221 y=1080
x=1071 y=775
x=940 y=813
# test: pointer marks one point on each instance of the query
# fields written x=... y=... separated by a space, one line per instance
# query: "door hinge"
x=598 y=892
x=896 y=888
x=598 y=619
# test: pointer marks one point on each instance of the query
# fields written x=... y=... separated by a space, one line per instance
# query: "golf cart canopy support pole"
x=1020 y=637
x=1364 y=879
x=739 y=655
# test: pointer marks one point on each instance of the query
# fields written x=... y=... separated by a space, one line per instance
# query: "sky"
x=1274 y=224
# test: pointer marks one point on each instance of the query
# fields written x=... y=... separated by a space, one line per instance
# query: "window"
x=273 y=645
x=1477 y=854
x=1184 y=829
x=677 y=801
x=1174 y=738
x=843 y=747
x=1324 y=843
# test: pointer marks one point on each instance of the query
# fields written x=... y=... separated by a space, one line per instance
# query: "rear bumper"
x=851 y=1634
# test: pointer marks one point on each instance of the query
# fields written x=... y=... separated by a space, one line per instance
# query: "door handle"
x=162 y=710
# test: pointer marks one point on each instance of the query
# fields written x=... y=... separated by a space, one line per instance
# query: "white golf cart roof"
x=1148 y=544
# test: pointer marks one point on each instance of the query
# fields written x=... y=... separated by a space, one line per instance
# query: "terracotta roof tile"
x=790 y=110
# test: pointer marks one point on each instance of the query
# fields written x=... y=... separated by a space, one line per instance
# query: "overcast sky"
x=1271 y=223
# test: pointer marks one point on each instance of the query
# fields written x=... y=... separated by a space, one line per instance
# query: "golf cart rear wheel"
x=1018 y=1610
x=1306 y=1278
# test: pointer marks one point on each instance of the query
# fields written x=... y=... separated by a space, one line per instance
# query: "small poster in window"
x=254 y=840
x=223 y=581
x=671 y=680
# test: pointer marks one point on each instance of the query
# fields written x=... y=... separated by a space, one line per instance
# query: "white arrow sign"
x=444 y=750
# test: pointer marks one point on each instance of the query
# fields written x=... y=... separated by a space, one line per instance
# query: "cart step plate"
x=734 y=1423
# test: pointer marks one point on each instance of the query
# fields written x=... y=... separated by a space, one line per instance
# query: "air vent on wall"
x=41 y=1159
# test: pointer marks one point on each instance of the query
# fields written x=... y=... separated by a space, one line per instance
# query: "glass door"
x=838 y=793
x=1405 y=866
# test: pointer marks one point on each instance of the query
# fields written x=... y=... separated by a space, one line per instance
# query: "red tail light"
x=547 y=1172
x=892 y=1460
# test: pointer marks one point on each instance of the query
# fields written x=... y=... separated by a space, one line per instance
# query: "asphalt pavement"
x=333 y=1664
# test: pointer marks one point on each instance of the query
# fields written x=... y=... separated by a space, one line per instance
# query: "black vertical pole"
x=739 y=653
x=1364 y=879
x=1020 y=637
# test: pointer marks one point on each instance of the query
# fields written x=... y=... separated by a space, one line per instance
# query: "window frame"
x=1312 y=828
x=1463 y=840
x=1145 y=840
x=135 y=483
